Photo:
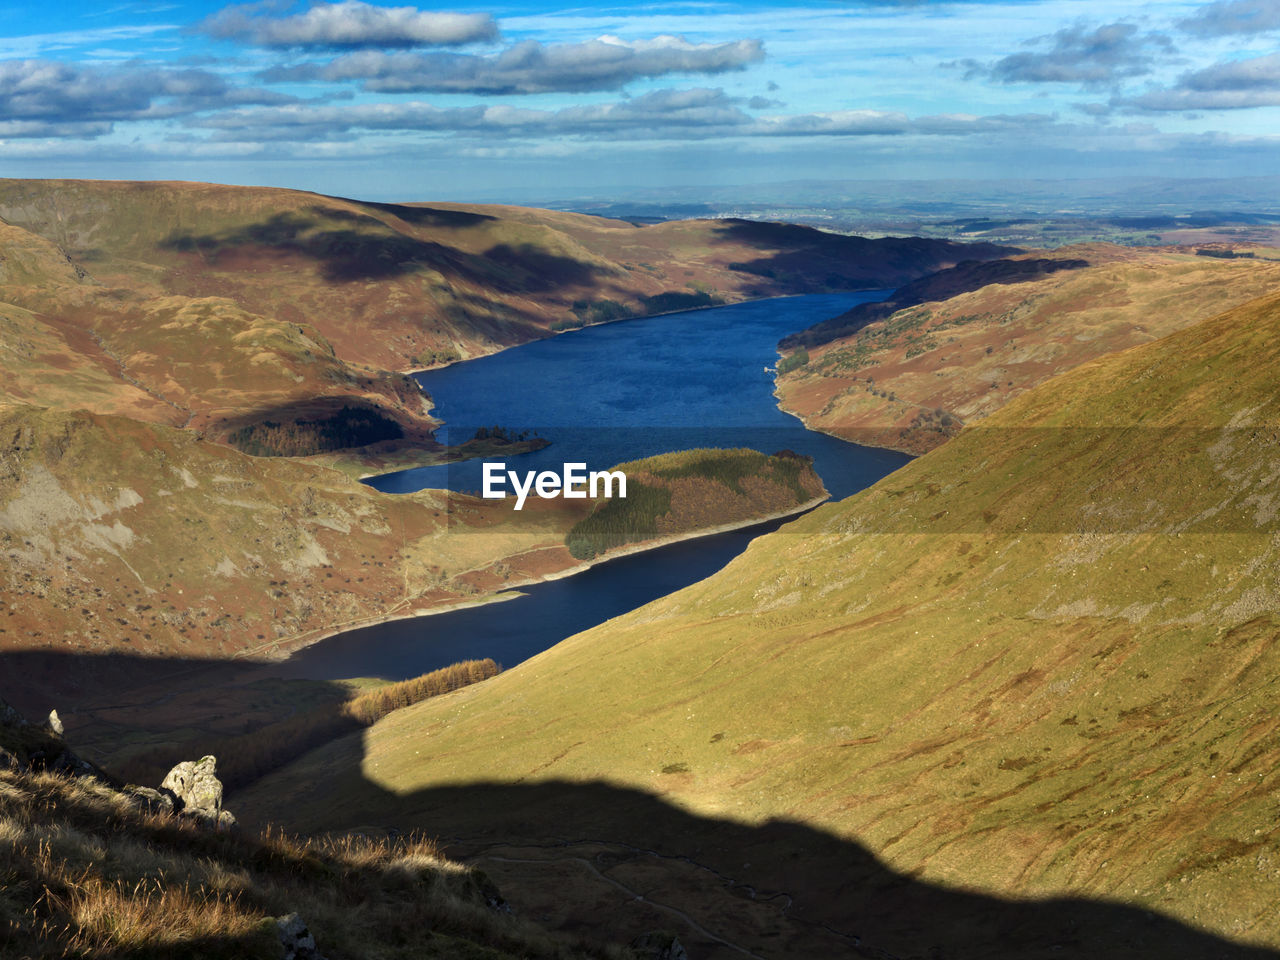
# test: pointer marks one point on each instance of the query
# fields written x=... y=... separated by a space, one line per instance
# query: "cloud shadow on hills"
x=353 y=247
x=424 y=216
x=806 y=259
x=962 y=278
x=614 y=862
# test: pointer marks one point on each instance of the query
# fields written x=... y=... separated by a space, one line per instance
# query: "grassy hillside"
x=73 y=342
x=128 y=536
x=1039 y=662
x=950 y=349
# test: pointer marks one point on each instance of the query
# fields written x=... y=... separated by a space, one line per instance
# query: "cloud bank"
x=1091 y=58
x=607 y=63
x=694 y=114
x=1231 y=85
x=46 y=98
x=1228 y=17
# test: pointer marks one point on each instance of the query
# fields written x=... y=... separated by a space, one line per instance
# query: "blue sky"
x=486 y=101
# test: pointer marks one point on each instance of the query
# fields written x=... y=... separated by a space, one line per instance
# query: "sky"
x=489 y=101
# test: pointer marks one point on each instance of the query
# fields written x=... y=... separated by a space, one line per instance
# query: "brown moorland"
x=950 y=349
x=221 y=308
x=90 y=872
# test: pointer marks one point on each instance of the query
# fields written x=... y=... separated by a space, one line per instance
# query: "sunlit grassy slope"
x=1042 y=658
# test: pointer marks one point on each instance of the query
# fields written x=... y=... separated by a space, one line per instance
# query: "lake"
x=604 y=395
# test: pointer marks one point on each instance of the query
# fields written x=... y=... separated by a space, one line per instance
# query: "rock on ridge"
x=191 y=788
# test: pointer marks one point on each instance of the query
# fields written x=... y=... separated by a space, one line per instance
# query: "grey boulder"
x=196 y=789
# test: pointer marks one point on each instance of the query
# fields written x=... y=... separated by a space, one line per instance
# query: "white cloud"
x=1230 y=85
x=1090 y=58
x=348 y=25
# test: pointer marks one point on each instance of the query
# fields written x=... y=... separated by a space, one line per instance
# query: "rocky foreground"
x=94 y=868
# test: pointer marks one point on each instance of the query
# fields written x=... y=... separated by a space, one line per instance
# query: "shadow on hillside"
x=780 y=889
x=598 y=860
x=962 y=278
x=138 y=716
x=303 y=429
x=427 y=216
x=352 y=247
x=808 y=260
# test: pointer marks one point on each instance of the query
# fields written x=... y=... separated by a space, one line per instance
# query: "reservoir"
x=604 y=395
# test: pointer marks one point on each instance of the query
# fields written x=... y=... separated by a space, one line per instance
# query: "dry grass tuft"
x=85 y=874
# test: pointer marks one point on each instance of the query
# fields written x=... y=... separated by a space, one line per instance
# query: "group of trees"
x=617 y=522
x=344 y=429
x=501 y=435
x=793 y=361
x=246 y=757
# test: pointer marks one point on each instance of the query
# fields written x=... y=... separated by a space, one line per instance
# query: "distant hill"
x=224 y=308
x=951 y=348
x=1017 y=699
x=1179 y=196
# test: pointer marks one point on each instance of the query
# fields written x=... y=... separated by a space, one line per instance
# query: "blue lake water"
x=605 y=395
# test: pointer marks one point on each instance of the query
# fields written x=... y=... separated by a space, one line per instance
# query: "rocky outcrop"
x=196 y=791
x=191 y=789
x=296 y=939
x=27 y=747
x=659 y=946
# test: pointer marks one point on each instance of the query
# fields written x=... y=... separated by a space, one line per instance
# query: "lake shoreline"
x=651 y=388
x=835 y=436
x=510 y=591
x=414 y=371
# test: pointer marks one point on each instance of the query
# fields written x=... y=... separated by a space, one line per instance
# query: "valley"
x=991 y=680
x=299 y=306
x=139 y=355
x=1017 y=685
